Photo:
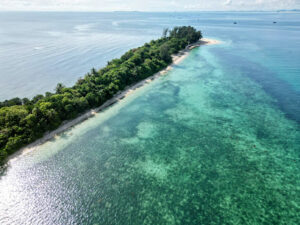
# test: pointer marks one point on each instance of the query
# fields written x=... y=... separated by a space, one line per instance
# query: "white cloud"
x=148 y=5
x=228 y=2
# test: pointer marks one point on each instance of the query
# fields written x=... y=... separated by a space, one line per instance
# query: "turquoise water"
x=215 y=141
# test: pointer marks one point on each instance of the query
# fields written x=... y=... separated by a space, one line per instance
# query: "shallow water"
x=215 y=141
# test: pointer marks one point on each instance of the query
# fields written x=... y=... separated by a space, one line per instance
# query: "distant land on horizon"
x=288 y=10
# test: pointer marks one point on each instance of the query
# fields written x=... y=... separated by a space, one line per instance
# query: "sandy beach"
x=177 y=58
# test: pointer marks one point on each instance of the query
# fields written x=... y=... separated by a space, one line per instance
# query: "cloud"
x=147 y=5
x=228 y=2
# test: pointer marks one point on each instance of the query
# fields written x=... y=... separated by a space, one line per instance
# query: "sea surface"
x=215 y=141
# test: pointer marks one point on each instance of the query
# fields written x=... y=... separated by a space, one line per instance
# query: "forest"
x=24 y=120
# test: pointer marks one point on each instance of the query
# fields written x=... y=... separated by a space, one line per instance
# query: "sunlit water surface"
x=215 y=141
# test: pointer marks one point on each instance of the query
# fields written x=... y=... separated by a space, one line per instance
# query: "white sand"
x=177 y=58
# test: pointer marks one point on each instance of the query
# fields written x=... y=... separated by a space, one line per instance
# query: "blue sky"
x=148 y=5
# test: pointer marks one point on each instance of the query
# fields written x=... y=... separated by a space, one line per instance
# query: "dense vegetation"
x=22 y=120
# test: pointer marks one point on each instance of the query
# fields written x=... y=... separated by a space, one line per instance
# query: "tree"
x=59 y=88
x=11 y=102
x=92 y=99
x=25 y=101
x=165 y=32
x=36 y=98
x=93 y=71
x=48 y=94
x=164 y=53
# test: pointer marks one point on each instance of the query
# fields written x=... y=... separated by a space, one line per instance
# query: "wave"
x=84 y=27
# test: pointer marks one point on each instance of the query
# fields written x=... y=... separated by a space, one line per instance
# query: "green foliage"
x=164 y=53
x=186 y=32
x=59 y=88
x=23 y=121
x=165 y=32
x=11 y=102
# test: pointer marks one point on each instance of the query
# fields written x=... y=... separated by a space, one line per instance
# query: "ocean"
x=215 y=141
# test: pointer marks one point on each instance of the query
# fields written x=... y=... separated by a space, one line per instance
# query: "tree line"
x=23 y=121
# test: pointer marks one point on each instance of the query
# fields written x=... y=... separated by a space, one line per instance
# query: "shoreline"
x=177 y=58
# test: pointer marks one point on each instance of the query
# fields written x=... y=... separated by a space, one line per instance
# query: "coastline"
x=177 y=58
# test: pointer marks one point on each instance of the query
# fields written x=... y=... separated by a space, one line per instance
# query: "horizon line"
x=144 y=11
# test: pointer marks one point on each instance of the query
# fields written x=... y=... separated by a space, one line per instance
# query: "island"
x=24 y=121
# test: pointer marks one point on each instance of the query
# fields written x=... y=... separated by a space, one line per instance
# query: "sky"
x=147 y=5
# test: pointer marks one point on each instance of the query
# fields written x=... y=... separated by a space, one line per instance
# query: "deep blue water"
x=214 y=141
